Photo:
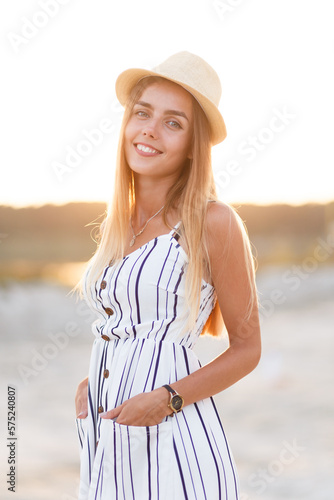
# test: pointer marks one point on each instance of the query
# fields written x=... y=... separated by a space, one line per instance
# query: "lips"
x=146 y=150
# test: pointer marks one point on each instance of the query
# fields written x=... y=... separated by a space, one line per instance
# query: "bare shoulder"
x=224 y=231
x=221 y=220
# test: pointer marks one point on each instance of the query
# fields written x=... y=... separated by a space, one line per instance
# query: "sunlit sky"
x=60 y=60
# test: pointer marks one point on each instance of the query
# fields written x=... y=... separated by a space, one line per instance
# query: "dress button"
x=109 y=311
x=106 y=373
x=100 y=410
x=103 y=285
x=105 y=337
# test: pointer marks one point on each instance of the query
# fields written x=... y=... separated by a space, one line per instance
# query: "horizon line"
x=232 y=203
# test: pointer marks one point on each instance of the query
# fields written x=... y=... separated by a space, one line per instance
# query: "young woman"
x=172 y=263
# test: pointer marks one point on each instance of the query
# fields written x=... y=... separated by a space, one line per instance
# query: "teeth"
x=146 y=149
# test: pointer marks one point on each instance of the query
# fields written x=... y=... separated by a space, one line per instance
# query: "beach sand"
x=278 y=420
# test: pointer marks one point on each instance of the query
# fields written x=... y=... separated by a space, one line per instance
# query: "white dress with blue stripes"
x=140 y=345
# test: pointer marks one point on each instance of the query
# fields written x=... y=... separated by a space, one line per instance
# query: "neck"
x=150 y=197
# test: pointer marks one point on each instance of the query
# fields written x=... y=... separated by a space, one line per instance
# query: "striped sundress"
x=140 y=345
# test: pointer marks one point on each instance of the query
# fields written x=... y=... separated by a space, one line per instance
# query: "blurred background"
x=59 y=129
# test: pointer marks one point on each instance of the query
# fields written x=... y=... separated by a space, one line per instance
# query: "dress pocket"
x=81 y=424
x=135 y=462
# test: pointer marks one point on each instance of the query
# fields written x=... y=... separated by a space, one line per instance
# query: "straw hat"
x=193 y=74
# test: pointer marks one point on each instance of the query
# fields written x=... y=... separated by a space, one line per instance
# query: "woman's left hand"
x=146 y=409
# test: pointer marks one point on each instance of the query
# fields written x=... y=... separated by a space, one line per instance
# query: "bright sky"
x=60 y=60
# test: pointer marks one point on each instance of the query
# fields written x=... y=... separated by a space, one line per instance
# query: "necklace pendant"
x=132 y=242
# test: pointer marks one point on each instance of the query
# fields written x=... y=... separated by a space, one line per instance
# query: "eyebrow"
x=167 y=112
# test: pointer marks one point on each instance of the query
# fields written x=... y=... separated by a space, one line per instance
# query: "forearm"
x=225 y=370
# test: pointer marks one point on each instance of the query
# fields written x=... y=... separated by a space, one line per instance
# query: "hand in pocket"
x=81 y=399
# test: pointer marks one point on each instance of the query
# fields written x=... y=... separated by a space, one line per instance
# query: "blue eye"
x=142 y=114
x=174 y=124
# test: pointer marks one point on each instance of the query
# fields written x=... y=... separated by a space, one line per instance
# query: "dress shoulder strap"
x=176 y=231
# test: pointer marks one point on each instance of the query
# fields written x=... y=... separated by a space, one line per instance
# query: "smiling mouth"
x=147 y=150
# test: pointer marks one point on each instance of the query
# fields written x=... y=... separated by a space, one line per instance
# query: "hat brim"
x=130 y=77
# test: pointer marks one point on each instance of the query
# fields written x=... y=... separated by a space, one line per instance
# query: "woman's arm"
x=231 y=280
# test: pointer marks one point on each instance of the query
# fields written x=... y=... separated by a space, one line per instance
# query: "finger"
x=83 y=414
x=111 y=413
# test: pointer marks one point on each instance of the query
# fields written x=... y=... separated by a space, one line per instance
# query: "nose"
x=150 y=129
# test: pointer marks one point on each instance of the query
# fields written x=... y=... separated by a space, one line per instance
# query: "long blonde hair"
x=190 y=195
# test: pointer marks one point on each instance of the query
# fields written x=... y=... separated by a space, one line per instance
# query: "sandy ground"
x=279 y=419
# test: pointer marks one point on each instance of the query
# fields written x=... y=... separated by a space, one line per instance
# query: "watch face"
x=177 y=402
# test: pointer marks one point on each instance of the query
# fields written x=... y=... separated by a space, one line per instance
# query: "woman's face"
x=158 y=135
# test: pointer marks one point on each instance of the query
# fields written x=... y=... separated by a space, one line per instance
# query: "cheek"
x=128 y=137
x=129 y=130
x=127 y=133
x=185 y=148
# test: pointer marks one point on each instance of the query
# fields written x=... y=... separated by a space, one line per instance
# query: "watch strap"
x=173 y=395
x=168 y=387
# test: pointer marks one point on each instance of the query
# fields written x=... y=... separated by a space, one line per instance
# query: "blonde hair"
x=190 y=195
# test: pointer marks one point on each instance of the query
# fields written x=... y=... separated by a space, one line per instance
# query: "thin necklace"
x=132 y=242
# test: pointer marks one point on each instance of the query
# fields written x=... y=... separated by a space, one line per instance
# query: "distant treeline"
x=73 y=217
x=62 y=233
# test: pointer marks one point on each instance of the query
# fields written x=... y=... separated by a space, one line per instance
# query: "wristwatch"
x=176 y=401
